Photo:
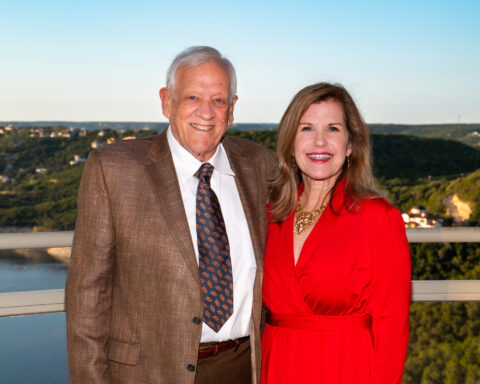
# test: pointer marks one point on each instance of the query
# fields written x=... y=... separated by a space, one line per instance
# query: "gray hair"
x=197 y=55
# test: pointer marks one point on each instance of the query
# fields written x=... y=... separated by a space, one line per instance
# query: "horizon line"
x=233 y=124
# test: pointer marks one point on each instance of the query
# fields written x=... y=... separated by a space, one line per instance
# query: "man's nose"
x=205 y=110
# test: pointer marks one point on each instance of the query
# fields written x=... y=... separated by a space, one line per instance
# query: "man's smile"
x=202 y=127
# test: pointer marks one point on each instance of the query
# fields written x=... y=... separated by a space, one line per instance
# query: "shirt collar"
x=186 y=164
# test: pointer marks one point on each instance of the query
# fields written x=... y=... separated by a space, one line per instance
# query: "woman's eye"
x=305 y=128
x=219 y=101
x=192 y=98
x=333 y=128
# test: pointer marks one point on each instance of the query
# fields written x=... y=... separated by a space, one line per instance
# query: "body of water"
x=32 y=348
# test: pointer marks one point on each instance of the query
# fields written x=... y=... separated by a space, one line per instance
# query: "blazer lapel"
x=246 y=181
x=163 y=179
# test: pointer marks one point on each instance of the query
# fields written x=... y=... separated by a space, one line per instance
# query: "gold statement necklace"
x=303 y=219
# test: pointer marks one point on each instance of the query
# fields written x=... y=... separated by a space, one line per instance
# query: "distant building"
x=97 y=144
x=77 y=159
x=41 y=170
x=64 y=133
x=129 y=138
x=36 y=131
x=419 y=217
x=4 y=179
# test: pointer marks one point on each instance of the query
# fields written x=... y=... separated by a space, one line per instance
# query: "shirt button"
x=191 y=367
x=196 y=320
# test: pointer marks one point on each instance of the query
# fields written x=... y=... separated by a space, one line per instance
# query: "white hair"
x=197 y=55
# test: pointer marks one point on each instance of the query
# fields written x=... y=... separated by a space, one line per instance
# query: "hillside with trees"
x=42 y=187
x=36 y=171
x=444 y=344
x=432 y=193
x=466 y=133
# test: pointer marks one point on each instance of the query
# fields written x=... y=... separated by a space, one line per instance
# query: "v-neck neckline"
x=307 y=241
x=287 y=238
x=334 y=200
x=287 y=234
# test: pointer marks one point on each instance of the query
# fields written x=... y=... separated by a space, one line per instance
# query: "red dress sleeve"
x=391 y=293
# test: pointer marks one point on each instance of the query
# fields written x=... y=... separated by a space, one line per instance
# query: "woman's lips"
x=320 y=156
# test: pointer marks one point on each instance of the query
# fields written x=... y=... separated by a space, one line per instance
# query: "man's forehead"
x=201 y=76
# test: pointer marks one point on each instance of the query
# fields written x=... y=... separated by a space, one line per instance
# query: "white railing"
x=64 y=239
x=32 y=240
x=31 y=302
x=35 y=302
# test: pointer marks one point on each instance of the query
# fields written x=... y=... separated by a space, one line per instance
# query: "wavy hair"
x=196 y=55
x=359 y=182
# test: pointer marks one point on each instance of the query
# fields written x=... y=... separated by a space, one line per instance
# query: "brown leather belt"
x=212 y=349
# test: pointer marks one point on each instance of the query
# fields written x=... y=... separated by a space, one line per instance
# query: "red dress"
x=340 y=315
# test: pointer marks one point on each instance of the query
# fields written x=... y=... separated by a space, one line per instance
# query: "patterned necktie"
x=214 y=253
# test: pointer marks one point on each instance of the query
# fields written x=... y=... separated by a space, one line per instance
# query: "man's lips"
x=320 y=156
x=202 y=127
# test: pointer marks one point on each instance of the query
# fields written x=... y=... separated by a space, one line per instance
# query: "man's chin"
x=203 y=154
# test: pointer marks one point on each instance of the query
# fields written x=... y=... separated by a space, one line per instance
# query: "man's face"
x=198 y=108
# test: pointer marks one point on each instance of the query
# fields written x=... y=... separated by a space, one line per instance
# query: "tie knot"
x=204 y=173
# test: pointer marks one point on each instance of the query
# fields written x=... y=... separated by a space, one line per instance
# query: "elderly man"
x=165 y=277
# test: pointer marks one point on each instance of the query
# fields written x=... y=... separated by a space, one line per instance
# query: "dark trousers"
x=229 y=367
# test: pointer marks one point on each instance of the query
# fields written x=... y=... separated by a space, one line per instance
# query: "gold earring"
x=293 y=162
x=348 y=161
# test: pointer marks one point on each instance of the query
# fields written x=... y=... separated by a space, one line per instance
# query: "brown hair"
x=359 y=183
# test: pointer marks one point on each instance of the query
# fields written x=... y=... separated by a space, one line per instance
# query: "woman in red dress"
x=337 y=262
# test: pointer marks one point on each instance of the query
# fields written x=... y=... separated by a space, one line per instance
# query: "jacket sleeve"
x=88 y=292
x=391 y=294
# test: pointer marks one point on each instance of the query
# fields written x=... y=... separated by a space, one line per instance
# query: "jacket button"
x=196 y=320
x=191 y=367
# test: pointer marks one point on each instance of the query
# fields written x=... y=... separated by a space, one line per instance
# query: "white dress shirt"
x=241 y=249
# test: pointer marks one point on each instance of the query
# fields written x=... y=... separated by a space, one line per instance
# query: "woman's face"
x=322 y=144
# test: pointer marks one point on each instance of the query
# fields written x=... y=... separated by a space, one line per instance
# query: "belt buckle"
x=204 y=348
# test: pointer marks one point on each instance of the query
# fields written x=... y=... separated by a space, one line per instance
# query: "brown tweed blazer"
x=133 y=286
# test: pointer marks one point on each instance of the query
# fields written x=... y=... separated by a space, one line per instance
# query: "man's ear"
x=166 y=98
x=230 y=113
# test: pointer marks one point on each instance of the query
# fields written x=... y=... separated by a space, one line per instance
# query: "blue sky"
x=403 y=61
